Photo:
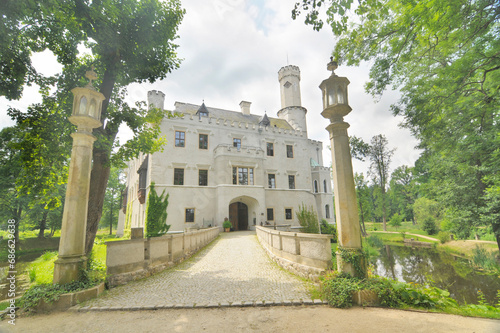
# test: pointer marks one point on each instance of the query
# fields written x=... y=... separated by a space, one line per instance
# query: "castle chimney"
x=245 y=107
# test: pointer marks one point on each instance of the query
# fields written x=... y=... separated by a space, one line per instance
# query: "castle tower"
x=291 y=105
x=156 y=99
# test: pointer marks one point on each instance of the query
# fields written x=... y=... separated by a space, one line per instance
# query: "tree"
x=380 y=158
x=396 y=220
x=130 y=41
x=403 y=191
x=444 y=57
x=112 y=199
x=364 y=200
x=11 y=205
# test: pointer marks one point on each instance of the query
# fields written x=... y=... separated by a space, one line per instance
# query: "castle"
x=217 y=164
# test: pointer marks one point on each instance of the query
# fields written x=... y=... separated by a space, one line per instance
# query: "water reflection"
x=429 y=266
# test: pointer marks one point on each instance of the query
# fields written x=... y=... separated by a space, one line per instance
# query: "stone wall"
x=307 y=255
x=134 y=259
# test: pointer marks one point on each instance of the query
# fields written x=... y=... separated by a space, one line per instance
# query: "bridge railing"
x=307 y=255
x=134 y=259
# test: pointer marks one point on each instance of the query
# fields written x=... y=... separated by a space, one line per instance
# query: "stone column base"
x=68 y=269
x=351 y=261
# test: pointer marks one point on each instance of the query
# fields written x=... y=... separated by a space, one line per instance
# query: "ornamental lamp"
x=87 y=105
x=335 y=99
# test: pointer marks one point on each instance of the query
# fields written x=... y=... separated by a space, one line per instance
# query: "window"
x=324 y=186
x=203 y=177
x=180 y=139
x=178 y=176
x=291 y=182
x=288 y=214
x=203 y=113
x=270 y=149
x=315 y=186
x=189 y=214
x=327 y=211
x=237 y=143
x=289 y=151
x=271 y=179
x=270 y=214
x=242 y=176
x=203 y=141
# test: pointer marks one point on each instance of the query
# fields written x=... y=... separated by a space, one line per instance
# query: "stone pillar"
x=350 y=257
x=86 y=115
x=74 y=223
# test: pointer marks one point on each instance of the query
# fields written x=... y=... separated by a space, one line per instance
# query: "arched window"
x=325 y=189
x=315 y=186
x=327 y=211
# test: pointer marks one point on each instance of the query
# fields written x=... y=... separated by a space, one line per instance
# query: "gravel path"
x=232 y=269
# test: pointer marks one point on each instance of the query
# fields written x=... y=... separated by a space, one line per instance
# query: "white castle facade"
x=217 y=164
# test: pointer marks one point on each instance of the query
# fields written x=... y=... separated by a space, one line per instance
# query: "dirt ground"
x=261 y=319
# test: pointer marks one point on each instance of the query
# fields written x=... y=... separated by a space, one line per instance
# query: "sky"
x=232 y=50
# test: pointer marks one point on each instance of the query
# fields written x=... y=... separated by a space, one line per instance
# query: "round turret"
x=289 y=78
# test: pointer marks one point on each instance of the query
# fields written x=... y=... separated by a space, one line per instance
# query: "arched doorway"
x=238 y=215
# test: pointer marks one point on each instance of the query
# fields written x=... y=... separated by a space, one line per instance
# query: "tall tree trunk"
x=98 y=183
x=101 y=163
x=43 y=224
x=363 y=228
x=111 y=214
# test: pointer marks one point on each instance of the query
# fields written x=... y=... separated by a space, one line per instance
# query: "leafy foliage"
x=444 y=58
x=308 y=219
x=130 y=41
x=156 y=213
x=329 y=229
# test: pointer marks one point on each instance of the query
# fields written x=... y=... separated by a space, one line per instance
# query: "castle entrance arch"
x=238 y=215
x=243 y=212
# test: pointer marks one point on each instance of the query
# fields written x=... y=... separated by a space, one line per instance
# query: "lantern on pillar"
x=334 y=90
x=335 y=107
x=86 y=115
x=87 y=104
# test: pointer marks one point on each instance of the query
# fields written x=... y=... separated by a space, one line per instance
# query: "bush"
x=484 y=259
x=429 y=225
x=396 y=220
x=338 y=288
x=156 y=213
x=227 y=224
x=329 y=229
x=308 y=219
x=443 y=236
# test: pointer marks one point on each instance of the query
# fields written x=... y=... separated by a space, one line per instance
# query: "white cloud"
x=232 y=51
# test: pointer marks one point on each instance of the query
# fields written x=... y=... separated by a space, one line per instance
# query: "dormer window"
x=202 y=111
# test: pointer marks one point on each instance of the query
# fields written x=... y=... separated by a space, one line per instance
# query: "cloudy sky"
x=232 y=51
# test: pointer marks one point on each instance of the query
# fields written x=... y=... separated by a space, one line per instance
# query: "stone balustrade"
x=134 y=259
x=307 y=255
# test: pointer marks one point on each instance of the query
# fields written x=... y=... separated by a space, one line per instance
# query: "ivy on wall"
x=156 y=213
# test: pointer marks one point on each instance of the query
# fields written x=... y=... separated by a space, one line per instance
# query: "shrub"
x=329 y=229
x=396 y=220
x=156 y=213
x=484 y=259
x=374 y=241
x=227 y=224
x=443 y=236
x=429 y=225
x=308 y=219
x=338 y=288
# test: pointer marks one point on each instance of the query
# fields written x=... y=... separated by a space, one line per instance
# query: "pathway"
x=231 y=270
